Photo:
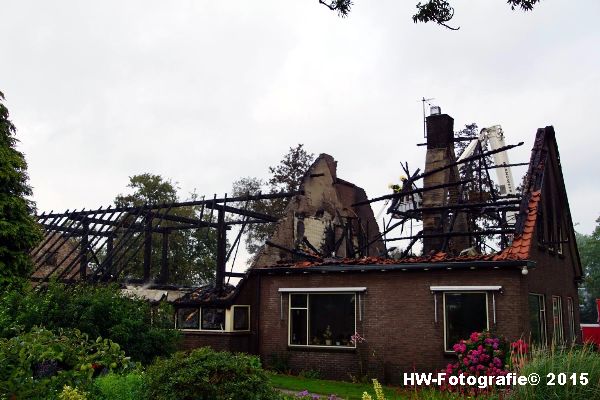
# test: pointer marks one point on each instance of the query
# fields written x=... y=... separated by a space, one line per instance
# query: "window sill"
x=323 y=349
x=214 y=333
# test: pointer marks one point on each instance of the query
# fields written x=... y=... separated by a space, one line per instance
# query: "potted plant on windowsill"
x=327 y=335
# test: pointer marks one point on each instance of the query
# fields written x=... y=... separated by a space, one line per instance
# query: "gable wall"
x=555 y=274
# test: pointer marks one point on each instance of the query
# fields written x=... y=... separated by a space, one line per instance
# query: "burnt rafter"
x=192 y=222
x=451 y=234
x=100 y=244
x=408 y=193
x=207 y=203
x=508 y=205
x=292 y=251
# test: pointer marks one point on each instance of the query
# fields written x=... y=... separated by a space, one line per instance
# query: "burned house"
x=327 y=273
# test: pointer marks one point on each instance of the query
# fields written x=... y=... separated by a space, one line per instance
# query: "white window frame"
x=571 y=316
x=228 y=327
x=317 y=292
x=224 y=319
x=560 y=234
x=560 y=321
x=487 y=311
x=232 y=317
x=543 y=317
x=188 y=329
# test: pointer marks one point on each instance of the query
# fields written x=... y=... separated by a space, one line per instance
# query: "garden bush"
x=38 y=364
x=69 y=393
x=204 y=374
x=483 y=354
x=96 y=310
x=119 y=387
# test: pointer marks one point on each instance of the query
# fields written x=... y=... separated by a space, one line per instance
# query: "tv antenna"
x=424 y=100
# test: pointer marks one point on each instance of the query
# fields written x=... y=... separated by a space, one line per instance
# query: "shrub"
x=96 y=310
x=483 y=354
x=69 y=393
x=40 y=363
x=119 y=387
x=204 y=374
x=310 y=374
x=565 y=361
x=378 y=392
x=279 y=362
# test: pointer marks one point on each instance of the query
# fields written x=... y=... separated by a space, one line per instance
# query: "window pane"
x=298 y=300
x=188 y=318
x=331 y=319
x=465 y=313
x=298 y=328
x=213 y=318
x=241 y=318
x=534 y=318
x=558 y=319
x=572 y=335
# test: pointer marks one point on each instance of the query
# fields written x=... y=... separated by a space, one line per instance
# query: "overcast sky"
x=205 y=92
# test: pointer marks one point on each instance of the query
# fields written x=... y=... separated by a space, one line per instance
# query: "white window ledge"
x=322 y=289
x=464 y=288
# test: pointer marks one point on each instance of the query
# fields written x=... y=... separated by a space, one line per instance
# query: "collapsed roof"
x=330 y=221
x=448 y=209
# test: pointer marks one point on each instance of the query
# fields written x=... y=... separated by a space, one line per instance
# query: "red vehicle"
x=591 y=332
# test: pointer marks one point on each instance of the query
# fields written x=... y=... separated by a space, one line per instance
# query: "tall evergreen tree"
x=18 y=229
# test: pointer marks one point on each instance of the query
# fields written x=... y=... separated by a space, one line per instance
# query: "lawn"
x=354 y=391
x=345 y=390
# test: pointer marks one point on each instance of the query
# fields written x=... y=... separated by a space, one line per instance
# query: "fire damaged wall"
x=323 y=220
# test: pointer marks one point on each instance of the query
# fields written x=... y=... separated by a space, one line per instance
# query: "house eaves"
x=451 y=265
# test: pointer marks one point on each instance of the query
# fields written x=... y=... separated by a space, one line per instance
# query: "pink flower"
x=356 y=338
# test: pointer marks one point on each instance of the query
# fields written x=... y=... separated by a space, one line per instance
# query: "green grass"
x=575 y=360
x=346 y=390
x=354 y=391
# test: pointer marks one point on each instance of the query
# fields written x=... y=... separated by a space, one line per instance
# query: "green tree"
x=18 y=230
x=438 y=11
x=147 y=189
x=143 y=331
x=284 y=177
x=192 y=252
x=589 y=253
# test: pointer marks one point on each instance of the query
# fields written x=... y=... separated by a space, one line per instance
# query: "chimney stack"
x=440 y=152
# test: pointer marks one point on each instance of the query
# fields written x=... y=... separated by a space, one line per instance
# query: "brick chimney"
x=440 y=152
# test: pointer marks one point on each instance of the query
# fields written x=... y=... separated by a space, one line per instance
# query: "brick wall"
x=397 y=315
x=554 y=276
x=397 y=322
x=220 y=341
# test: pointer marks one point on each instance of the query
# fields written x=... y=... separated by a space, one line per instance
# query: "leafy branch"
x=438 y=11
